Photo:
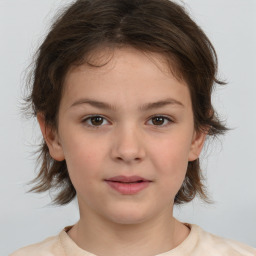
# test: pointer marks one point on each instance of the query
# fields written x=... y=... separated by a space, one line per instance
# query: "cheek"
x=84 y=160
x=170 y=157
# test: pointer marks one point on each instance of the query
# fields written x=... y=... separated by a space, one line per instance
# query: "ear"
x=51 y=138
x=196 y=145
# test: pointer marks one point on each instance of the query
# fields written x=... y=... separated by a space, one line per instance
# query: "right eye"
x=95 y=121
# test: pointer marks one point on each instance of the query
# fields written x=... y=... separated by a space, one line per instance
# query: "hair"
x=159 y=26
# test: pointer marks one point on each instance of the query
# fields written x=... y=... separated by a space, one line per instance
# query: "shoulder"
x=211 y=245
x=48 y=247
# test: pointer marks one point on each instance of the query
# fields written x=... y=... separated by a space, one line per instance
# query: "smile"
x=128 y=185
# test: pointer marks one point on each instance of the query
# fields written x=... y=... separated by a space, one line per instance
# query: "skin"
x=126 y=141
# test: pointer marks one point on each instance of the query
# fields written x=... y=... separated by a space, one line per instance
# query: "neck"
x=103 y=237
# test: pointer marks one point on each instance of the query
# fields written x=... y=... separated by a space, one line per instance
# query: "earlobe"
x=51 y=138
x=196 y=145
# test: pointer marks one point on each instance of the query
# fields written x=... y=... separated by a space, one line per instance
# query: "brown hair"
x=159 y=26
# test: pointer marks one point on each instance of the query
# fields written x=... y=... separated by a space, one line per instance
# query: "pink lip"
x=128 y=185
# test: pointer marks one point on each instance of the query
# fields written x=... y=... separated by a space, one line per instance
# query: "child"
x=122 y=93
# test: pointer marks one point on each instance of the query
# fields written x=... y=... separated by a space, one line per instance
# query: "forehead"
x=124 y=74
x=104 y=58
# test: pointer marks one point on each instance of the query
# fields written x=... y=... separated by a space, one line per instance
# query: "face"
x=126 y=131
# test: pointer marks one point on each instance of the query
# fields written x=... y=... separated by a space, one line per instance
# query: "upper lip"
x=123 y=178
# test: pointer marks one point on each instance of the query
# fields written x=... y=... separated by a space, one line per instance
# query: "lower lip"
x=128 y=188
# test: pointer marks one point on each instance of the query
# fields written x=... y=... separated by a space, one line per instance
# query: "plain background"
x=229 y=164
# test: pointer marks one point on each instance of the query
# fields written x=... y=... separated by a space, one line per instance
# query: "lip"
x=128 y=185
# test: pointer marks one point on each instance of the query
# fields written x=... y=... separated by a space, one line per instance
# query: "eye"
x=161 y=121
x=95 y=121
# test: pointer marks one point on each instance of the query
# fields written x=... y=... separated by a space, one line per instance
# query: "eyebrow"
x=144 y=107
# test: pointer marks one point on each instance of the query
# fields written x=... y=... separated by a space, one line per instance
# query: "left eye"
x=160 y=120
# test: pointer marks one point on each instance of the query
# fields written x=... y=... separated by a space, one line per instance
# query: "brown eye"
x=160 y=121
x=94 y=121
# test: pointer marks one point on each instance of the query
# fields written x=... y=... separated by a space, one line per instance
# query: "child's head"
x=94 y=32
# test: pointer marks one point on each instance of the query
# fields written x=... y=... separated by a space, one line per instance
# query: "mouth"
x=128 y=185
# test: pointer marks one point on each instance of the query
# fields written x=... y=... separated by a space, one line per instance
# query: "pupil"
x=159 y=120
x=97 y=120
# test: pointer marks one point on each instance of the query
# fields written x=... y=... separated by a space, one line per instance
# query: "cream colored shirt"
x=198 y=243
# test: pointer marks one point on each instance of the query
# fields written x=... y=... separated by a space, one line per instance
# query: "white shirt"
x=197 y=243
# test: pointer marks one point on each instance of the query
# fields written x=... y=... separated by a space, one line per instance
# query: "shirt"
x=197 y=243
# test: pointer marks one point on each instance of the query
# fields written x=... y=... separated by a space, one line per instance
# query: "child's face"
x=127 y=140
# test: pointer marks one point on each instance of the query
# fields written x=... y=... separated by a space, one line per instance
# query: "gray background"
x=228 y=164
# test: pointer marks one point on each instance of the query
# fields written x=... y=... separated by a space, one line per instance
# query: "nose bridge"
x=128 y=143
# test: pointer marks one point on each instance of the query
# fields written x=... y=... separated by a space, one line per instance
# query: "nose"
x=127 y=145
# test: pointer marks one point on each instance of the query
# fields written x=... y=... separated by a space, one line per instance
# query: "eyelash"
x=97 y=127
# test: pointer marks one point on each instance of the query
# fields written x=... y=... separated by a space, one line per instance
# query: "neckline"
x=184 y=248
